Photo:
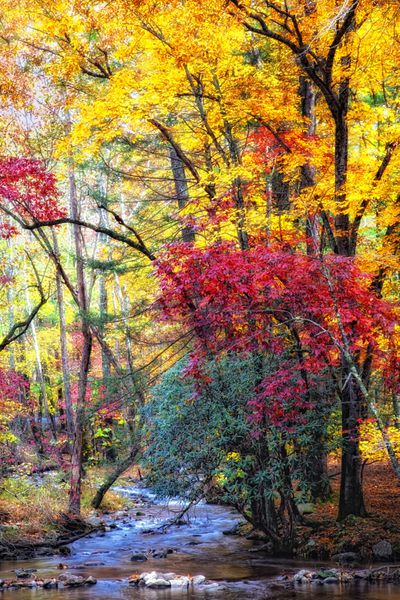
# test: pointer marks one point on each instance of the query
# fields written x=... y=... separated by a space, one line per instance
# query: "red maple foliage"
x=277 y=301
x=29 y=191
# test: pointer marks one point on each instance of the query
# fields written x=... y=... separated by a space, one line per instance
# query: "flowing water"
x=200 y=548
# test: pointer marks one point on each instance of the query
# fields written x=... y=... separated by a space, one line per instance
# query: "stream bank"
x=195 y=546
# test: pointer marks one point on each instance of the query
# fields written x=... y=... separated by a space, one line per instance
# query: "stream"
x=200 y=548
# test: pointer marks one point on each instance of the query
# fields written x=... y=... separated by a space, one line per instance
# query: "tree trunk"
x=181 y=190
x=119 y=469
x=351 y=501
x=69 y=412
x=76 y=459
x=396 y=410
x=342 y=220
x=103 y=303
x=39 y=370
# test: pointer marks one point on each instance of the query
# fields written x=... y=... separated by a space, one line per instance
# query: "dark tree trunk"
x=318 y=475
x=342 y=220
x=181 y=190
x=351 y=501
x=280 y=192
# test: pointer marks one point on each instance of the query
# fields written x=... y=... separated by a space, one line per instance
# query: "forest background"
x=199 y=252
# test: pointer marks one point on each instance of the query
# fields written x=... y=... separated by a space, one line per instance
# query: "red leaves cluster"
x=269 y=146
x=7 y=231
x=272 y=300
x=29 y=191
x=14 y=387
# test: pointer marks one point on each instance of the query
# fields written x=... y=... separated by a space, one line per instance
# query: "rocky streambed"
x=135 y=557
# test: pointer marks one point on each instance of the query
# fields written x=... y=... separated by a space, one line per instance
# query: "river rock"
x=382 y=550
x=50 y=584
x=139 y=557
x=210 y=587
x=156 y=580
x=235 y=530
x=95 y=521
x=362 y=574
x=69 y=580
x=179 y=582
x=331 y=580
x=24 y=573
x=158 y=583
x=303 y=576
x=346 y=558
x=325 y=574
x=159 y=554
x=25 y=583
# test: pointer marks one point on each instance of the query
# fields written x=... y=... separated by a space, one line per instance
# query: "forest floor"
x=33 y=513
x=382 y=499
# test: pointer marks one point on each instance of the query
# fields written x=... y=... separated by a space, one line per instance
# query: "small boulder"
x=383 y=550
x=24 y=573
x=302 y=576
x=158 y=583
x=198 y=579
x=159 y=554
x=90 y=580
x=138 y=557
x=71 y=580
x=362 y=574
x=179 y=582
x=232 y=531
x=306 y=508
x=50 y=584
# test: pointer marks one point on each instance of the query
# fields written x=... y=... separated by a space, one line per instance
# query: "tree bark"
x=77 y=448
x=119 y=469
x=181 y=190
x=69 y=412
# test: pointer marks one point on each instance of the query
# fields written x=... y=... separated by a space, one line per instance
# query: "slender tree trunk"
x=10 y=302
x=69 y=412
x=77 y=448
x=103 y=303
x=119 y=469
x=396 y=410
x=39 y=370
